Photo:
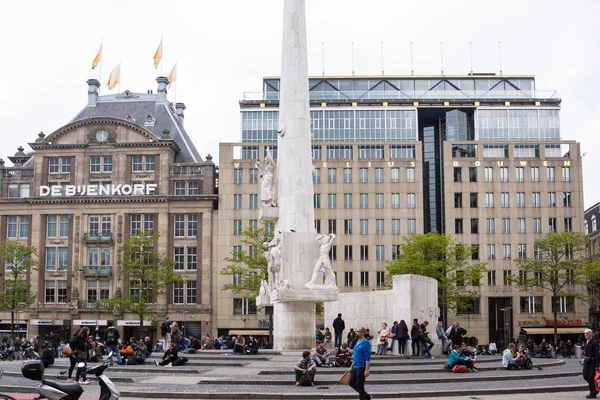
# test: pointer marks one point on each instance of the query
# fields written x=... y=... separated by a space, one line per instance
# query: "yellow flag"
x=98 y=59
x=158 y=55
x=172 y=77
x=114 y=78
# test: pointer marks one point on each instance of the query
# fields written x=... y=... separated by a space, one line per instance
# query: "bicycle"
x=4 y=396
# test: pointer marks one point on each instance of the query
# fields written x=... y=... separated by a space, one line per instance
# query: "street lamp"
x=505 y=310
x=183 y=325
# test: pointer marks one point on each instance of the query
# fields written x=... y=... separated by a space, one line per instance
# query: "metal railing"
x=17 y=173
x=415 y=95
x=92 y=304
x=97 y=237
x=186 y=170
x=97 y=270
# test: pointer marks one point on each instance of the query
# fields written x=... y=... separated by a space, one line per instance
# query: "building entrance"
x=500 y=320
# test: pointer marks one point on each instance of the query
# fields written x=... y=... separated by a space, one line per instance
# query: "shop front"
x=130 y=328
x=45 y=326
x=19 y=328
x=261 y=335
x=567 y=329
x=97 y=326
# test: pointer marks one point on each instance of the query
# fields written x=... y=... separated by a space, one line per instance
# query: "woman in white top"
x=384 y=331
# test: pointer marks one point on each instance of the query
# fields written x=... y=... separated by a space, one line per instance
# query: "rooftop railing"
x=186 y=170
x=416 y=95
x=17 y=173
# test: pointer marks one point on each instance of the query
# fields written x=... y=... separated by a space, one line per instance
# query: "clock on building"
x=102 y=135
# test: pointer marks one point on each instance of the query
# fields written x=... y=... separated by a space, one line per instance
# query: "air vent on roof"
x=482 y=73
x=149 y=91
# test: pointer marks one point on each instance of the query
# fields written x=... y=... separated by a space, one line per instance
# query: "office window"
x=537 y=252
x=348 y=278
x=458 y=226
x=237 y=201
x=503 y=174
x=379 y=200
x=191 y=292
x=57 y=258
x=550 y=174
x=253 y=201
x=472 y=174
x=237 y=227
x=331 y=201
x=143 y=163
x=551 y=199
x=535 y=174
x=318 y=225
x=563 y=304
x=520 y=199
x=531 y=304
x=473 y=200
x=520 y=174
x=179 y=257
x=253 y=175
x=395 y=251
x=380 y=278
x=364 y=278
x=395 y=201
x=537 y=225
x=566 y=199
x=507 y=276
x=491 y=251
x=364 y=200
x=566 y=174
x=506 y=251
x=253 y=225
x=522 y=249
x=348 y=253
x=178 y=289
x=50 y=291
x=364 y=253
x=316 y=175
x=347 y=200
x=489 y=225
x=475 y=252
x=552 y=225
x=521 y=225
x=568 y=224
x=332 y=175
x=410 y=175
x=59 y=165
x=379 y=252
x=410 y=203
x=489 y=200
x=363 y=175
x=348 y=227
x=505 y=200
x=332 y=225
x=317 y=200
x=412 y=226
x=491 y=278
x=378 y=175
x=347 y=175
x=57 y=226
x=333 y=253
x=395 y=226
x=17 y=226
x=489 y=174
x=474 y=225
x=505 y=225
x=457 y=200
x=243 y=306
x=457 y=174
x=379 y=230
x=364 y=226
x=535 y=200
x=237 y=175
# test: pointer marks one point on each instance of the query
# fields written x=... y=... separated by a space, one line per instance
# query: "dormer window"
x=594 y=227
x=587 y=228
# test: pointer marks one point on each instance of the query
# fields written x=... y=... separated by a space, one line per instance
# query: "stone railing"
x=186 y=170
x=17 y=173
x=101 y=270
x=97 y=237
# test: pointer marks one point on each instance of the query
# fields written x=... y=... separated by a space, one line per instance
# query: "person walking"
x=338 y=329
x=590 y=361
x=415 y=337
x=165 y=331
x=111 y=341
x=360 y=368
x=426 y=342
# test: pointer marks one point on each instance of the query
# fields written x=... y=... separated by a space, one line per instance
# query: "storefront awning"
x=258 y=332
x=549 y=330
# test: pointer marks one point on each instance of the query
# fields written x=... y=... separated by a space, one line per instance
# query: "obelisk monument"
x=299 y=268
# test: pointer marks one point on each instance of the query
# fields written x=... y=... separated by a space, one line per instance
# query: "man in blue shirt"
x=359 y=370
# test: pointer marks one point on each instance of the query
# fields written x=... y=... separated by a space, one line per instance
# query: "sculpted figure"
x=267 y=183
x=273 y=256
x=323 y=268
x=263 y=288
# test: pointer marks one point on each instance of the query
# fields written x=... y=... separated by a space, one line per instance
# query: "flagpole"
x=162 y=50
x=100 y=78
x=119 y=76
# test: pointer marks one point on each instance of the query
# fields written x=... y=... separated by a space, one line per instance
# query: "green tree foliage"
x=558 y=266
x=146 y=274
x=438 y=256
x=19 y=262
x=249 y=267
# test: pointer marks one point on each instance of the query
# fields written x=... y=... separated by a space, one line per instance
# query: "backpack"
x=305 y=380
x=163 y=328
x=130 y=360
x=110 y=336
x=459 y=369
x=528 y=363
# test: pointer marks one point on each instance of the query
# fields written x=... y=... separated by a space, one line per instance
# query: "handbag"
x=67 y=350
x=305 y=380
x=345 y=379
x=597 y=380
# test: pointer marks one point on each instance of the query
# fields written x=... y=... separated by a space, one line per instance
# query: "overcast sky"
x=224 y=48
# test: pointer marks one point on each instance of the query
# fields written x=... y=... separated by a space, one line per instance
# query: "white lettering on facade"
x=523 y=163
x=44 y=190
x=98 y=190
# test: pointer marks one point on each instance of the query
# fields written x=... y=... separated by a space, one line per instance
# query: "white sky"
x=224 y=48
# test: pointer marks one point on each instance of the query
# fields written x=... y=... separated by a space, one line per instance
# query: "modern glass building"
x=480 y=157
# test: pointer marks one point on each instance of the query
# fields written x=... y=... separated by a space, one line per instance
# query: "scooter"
x=52 y=390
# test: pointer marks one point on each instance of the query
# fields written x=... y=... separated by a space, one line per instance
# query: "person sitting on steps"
x=305 y=366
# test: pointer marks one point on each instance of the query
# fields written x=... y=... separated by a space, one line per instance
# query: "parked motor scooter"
x=52 y=390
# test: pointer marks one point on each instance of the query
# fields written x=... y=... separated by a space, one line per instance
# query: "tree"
x=19 y=262
x=559 y=264
x=438 y=256
x=146 y=273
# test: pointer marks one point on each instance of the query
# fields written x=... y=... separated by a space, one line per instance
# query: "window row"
x=501 y=174
x=363 y=175
x=364 y=200
x=102 y=164
x=505 y=225
x=363 y=226
x=491 y=199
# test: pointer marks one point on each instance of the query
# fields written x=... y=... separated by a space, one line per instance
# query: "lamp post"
x=183 y=325
x=505 y=310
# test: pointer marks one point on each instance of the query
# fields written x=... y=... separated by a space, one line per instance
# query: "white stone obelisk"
x=294 y=303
